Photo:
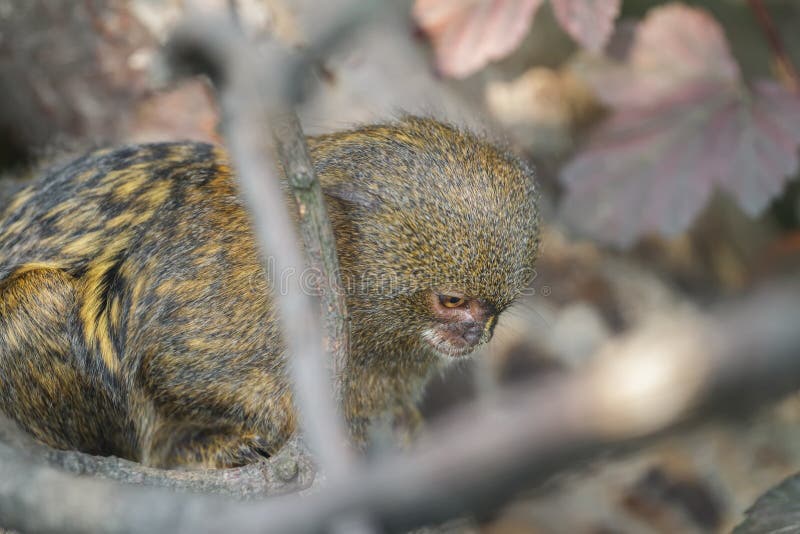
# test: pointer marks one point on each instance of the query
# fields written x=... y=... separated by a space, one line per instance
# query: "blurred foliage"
x=684 y=120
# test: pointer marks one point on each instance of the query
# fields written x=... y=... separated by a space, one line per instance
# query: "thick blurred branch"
x=257 y=96
x=678 y=370
x=252 y=103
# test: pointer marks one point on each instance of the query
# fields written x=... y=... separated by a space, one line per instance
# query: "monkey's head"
x=437 y=232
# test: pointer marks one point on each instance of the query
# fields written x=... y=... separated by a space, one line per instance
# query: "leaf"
x=467 y=34
x=777 y=511
x=682 y=123
x=589 y=22
x=673 y=46
x=764 y=139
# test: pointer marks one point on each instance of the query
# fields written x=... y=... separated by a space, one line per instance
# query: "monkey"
x=137 y=313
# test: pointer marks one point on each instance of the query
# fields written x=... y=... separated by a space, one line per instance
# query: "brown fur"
x=136 y=318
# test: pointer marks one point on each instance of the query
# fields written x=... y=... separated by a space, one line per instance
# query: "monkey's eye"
x=451 y=301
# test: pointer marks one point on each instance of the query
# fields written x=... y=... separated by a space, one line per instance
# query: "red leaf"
x=467 y=34
x=683 y=123
x=589 y=22
x=674 y=45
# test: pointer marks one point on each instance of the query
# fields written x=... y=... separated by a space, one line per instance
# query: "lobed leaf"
x=467 y=34
x=682 y=123
x=589 y=22
x=673 y=46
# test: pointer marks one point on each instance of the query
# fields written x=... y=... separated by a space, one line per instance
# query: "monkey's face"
x=461 y=323
x=436 y=230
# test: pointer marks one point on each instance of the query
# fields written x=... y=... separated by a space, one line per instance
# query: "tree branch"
x=318 y=238
x=288 y=471
x=661 y=377
x=251 y=101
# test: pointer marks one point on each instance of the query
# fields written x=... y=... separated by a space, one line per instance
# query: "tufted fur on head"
x=421 y=207
x=418 y=206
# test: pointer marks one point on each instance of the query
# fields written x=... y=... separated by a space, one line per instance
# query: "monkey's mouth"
x=448 y=345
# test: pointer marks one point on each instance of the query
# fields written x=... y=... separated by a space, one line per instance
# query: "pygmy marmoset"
x=135 y=310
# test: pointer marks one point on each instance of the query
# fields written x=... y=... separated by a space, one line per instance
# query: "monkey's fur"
x=135 y=316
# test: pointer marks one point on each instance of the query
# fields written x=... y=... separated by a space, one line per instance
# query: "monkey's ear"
x=350 y=193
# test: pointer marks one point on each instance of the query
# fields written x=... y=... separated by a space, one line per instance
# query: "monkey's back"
x=104 y=199
x=156 y=296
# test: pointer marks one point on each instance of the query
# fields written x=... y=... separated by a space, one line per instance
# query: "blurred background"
x=665 y=139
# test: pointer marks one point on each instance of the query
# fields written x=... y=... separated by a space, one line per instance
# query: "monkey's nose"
x=473 y=333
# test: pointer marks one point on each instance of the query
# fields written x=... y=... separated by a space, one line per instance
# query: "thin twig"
x=785 y=66
x=318 y=238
